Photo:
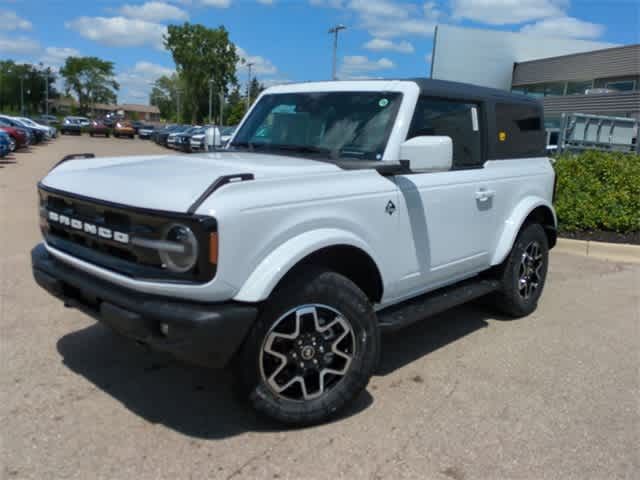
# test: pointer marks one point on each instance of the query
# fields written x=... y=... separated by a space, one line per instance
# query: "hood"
x=170 y=182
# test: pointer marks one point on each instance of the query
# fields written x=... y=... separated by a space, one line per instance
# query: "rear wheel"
x=312 y=350
x=524 y=272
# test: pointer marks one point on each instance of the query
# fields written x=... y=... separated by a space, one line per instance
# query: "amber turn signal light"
x=213 y=248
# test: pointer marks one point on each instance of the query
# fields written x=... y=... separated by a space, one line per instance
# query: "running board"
x=404 y=314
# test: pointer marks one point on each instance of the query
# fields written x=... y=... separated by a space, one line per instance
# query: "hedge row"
x=598 y=191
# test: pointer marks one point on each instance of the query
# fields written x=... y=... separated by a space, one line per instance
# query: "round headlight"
x=184 y=256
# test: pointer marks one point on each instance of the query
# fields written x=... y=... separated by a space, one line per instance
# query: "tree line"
x=206 y=61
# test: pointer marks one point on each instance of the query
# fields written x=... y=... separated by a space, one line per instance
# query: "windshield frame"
x=400 y=95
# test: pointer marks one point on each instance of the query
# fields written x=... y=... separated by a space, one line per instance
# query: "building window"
x=578 y=88
x=621 y=85
x=450 y=118
x=541 y=89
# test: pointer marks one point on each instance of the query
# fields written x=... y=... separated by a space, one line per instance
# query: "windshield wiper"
x=248 y=145
x=303 y=149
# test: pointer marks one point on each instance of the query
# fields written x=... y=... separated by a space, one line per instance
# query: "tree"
x=236 y=108
x=26 y=82
x=164 y=95
x=91 y=79
x=255 y=89
x=201 y=54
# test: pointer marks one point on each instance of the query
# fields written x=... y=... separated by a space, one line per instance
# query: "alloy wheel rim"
x=307 y=352
x=529 y=272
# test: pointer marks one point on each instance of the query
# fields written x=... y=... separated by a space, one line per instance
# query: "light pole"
x=21 y=94
x=249 y=65
x=178 y=91
x=221 y=107
x=334 y=31
x=210 y=98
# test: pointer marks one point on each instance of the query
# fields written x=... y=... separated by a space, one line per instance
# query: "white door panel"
x=452 y=220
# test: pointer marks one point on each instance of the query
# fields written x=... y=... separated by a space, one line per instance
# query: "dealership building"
x=569 y=76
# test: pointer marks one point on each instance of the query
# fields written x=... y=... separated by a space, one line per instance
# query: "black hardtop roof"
x=445 y=88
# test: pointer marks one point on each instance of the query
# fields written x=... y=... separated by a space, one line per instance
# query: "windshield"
x=352 y=125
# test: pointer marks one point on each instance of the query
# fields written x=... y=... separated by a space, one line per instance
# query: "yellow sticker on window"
x=502 y=136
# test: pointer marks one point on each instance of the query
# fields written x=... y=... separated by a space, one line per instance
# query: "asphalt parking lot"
x=464 y=395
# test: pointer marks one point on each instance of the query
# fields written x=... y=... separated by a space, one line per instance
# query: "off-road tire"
x=314 y=286
x=510 y=298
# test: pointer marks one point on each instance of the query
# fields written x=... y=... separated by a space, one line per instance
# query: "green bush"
x=598 y=191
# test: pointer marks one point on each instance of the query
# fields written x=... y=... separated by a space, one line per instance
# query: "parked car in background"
x=49 y=132
x=71 y=126
x=98 y=127
x=162 y=135
x=145 y=131
x=5 y=144
x=226 y=133
x=123 y=128
x=183 y=140
x=20 y=136
x=172 y=140
x=37 y=135
x=84 y=121
x=47 y=120
x=137 y=125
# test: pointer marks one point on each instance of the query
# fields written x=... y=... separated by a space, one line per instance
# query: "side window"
x=520 y=130
x=458 y=120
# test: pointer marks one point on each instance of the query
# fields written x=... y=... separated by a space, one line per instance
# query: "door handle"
x=483 y=195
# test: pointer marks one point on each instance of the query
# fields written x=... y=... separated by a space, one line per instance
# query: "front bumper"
x=204 y=334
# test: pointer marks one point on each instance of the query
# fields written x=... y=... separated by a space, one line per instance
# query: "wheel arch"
x=530 y=209
x=339 y=251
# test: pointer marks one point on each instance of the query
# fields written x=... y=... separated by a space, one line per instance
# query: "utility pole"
x=21 y=94
x=178 y=91
x=221 y=107
x=46 y=95
x=249 y=65
x=334 y=31
x=210 y=98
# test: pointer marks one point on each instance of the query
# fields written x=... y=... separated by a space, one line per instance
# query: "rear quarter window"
x=519 y=130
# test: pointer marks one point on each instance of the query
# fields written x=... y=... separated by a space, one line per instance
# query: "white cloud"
x=10 y=21
x=428 y=58
x=354 y=66
x=387 y=18
x=266 y=2
x=382 y=44
x=119 y=31
x=19 y=46
x=154 y=12
x=137 y=82
x=261 y=65
x=216 y=3
x=504 y=12
x=568 y=27
x=55 y=57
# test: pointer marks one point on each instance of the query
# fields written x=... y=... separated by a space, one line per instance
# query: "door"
x=451 y=214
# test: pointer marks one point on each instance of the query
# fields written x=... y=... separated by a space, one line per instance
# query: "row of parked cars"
x=106 y=127
x=20 y=132
x=189 y=138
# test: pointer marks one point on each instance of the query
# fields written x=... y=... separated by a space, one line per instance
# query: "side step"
x=404 y=314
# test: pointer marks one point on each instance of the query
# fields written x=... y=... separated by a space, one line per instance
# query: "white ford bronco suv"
x=338 y=210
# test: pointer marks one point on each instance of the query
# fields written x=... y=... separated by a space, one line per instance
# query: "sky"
x=288 y=40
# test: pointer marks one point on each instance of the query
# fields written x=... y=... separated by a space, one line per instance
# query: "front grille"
x=74 y=233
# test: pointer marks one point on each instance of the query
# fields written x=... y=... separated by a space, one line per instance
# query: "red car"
x=17 y=136
x=97 y=127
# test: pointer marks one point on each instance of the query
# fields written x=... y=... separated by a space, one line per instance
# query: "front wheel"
x=312 y=350
x=524 y=272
